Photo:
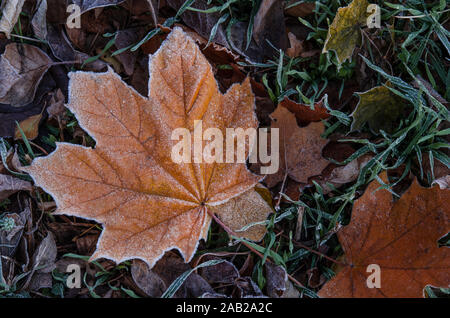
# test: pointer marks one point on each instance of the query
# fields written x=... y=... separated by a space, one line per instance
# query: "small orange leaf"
x=29 y=126
x=147 y=203
x=400 y=237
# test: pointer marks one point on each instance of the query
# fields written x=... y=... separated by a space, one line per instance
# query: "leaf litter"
x=294 y=230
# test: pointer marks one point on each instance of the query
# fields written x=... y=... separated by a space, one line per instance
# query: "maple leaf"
x=401 y=237
x=147 y=203
x=380 y=107
x=300 y=148
x=345 y=31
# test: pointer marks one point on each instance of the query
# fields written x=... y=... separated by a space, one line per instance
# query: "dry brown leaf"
x=10 y=185
x=277 y=279
x=269 y=26
x=296 y=46
x=343 y=174
x=86 y=5
x=22 y=67
x=300 y=148
x=401 y=237
x=304 y=113
x=147 y=203
x=10 y=14
x=39 y=21
x=221 y=273
x=148 y=281
x=56 y=107
x=300 y=8
x=250 y=207
x=344 y=34
x=30 y=127
x=10 y=238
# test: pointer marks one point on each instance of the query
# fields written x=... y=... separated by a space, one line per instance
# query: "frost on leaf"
x=345 y=31
x=146 y=203
x=400 y=237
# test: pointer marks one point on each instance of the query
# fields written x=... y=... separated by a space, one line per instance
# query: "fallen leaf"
x=379 y=107
x=222 y=273
x=296 y=46
x=251 y=208
x=204 y=23
x=215 y=53
x=147 y=203
x=10 y=239
x=39 y=21
x=10 y=115
x=125 y=38
x=148 y=281
x=10 y=14
x=86 y=244
x=443 y=182
x=10 y=185
x=22 y=67
x=44 y=259
x=269 y=26
x=45 y=255
x=170 y=267
x=398 y=236
x=345 y=31
x=276 y=280
x=343 y=174
x=247 y=288
x=213 y=295
x=300 y=148
x=30 y=127
x=62 y=49
x=291 y=291
x=154 y=8
x=300 y=9
x=304 y=113
x=56 y=106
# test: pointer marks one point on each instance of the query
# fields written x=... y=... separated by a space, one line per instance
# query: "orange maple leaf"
x=147 y=203
x=400 y=237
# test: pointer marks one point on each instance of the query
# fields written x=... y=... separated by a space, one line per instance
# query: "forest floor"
x=366 y=89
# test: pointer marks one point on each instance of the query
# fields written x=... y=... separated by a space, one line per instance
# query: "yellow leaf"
x=345 y=31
